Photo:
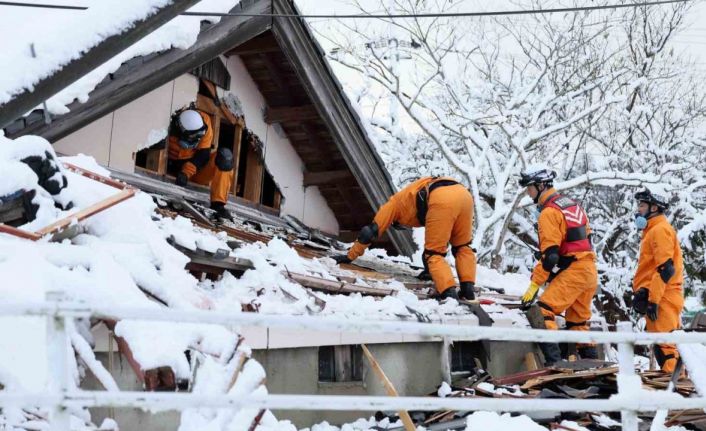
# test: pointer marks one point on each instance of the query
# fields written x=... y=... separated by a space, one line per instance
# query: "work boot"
x=587 y=352
x=222 y=213
x=552 y=353
x=451 y=292
x=467 y=291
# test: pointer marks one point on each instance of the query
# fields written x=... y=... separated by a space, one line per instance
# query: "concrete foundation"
x=415 y=369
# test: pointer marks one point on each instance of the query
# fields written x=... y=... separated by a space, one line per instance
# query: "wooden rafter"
x=89 y=60
x=326 y=177
x=158 y=70
x=291 y=113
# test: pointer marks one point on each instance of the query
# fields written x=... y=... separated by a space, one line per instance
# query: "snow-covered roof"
x=80 y=31
x=113 y=85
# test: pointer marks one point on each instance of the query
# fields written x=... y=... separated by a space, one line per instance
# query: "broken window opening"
x=251 y=181
x=340 y=364
x=464 y=356
x=269 y=192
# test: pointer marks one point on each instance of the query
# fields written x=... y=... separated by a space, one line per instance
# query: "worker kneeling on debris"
x=191 y=159
x=445 y=208
x=657 y=285
x=567 y=262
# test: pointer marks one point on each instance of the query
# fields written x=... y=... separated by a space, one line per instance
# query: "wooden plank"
x=291 y=113
x=89 y=60
x=259 y=44
x=531 y=361
x=87 y=212
x=228 y=32
x=326 y=177
x=5 y=228
x=569 y=376
x=253 y=176
x=95 y=177
x=513 y=379
x=389 y=387
x=276 y=75
x=237 y=141
x=334 y=286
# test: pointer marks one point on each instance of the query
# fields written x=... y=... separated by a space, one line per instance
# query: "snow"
x=80 y=31
x=122 y=257
x=121 y=254
x=444 y=390
x=482 y=421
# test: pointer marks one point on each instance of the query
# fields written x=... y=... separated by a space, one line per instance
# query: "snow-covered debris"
x=122 y=254
x=482 y=421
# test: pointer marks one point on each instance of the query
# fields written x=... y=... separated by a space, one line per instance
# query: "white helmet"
x=191 y=128
x=190 y=121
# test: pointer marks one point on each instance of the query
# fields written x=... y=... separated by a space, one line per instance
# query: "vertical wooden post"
x=239 y=127
x=406 y=418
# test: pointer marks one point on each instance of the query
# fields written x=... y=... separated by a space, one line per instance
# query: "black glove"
x=640 y=300
x=424 y=275
x=341 y=258
x=537 y=255
x=652 y=311
x=181 y=179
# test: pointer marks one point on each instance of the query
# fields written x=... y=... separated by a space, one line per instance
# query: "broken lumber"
x=335 y=286
x=404 y=415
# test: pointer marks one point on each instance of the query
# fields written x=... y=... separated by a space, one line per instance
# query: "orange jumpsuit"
x=659 y=244
x=572 y=290
x=449 y=219
x=199 y=163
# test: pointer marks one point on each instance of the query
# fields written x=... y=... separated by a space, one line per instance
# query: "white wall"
x=282 y=161
x=114 y=139
x=94 y=140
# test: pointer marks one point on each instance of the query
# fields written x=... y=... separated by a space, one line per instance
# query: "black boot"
x=552 y=353
x=451 y=292
x=222 y=213
x=467 y=291
x=587 y=352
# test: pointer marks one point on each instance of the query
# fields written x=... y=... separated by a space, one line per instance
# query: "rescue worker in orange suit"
x=445 y=208
x=190 y=158
x=657 y=285
x=567 y=262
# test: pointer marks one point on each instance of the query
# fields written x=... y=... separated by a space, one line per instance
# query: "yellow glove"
x=530 y=294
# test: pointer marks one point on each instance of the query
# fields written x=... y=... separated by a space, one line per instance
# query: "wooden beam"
x=253 y=176
x=257 y=45
x=342 y=121
x=230 y=31
x=326 y=177
x=389 y=387
x=276 y=75
x=290 y=113
x=89 y=60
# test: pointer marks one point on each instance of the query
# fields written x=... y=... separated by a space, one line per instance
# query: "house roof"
x=302 y=93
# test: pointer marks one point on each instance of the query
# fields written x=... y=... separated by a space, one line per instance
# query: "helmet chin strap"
x=539 y=193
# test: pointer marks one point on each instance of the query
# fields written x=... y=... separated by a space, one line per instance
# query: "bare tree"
x=599 y=96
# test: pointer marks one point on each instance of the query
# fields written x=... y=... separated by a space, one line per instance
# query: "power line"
x=382 y=16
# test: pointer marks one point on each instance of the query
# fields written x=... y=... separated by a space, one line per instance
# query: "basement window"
x=463 y=355
x=340 y=364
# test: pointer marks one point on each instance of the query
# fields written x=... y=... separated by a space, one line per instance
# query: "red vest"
x=576 y=239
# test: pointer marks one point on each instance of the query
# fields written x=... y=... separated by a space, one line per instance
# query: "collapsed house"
x=307 y=179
